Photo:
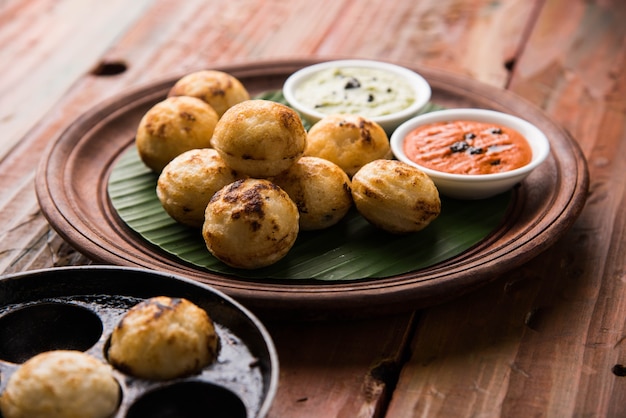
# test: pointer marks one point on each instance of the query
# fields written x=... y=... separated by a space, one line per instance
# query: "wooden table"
x=544 y=340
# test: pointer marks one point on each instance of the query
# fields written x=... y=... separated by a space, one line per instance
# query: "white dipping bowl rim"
x=470 y=186
x=423 y=91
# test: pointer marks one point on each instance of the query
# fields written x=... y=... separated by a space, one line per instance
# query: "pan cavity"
x=32 y=329
x=189 y=399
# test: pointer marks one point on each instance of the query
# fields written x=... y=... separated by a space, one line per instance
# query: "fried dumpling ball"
x=163 y=338
x=320 y=190
x=251 y=223
x=350 y=141
x=61 y=384
x=188 y=182
x=260 y=138
x=173 y=126
x=219 y=89
x=395 y=196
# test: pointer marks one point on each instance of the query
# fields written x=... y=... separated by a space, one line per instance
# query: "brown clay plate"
x=72 y=181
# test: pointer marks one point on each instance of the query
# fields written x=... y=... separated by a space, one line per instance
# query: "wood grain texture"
x=546 y=340
x=322 y=372
x=42 y=58
x=589 y=314
x=42 y=55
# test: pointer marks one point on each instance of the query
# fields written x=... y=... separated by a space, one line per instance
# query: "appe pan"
x=78 y=307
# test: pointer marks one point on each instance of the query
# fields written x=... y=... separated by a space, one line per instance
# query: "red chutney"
x=467 y=147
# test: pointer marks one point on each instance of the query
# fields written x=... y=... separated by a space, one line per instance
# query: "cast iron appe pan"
x=77 y=308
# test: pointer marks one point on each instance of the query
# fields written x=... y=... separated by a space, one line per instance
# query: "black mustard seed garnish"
x=352 y=83
x=459 y=146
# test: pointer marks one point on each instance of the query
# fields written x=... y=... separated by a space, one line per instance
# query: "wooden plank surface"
x=338 y=369
x=544 y=341
x=46 y=46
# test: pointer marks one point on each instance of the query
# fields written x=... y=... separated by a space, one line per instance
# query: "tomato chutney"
x=467 y=147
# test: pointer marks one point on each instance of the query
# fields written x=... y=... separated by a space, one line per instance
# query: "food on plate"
x=219 y=89
x=250 y=223
x=173 y=126
x=260 y=138
x=395 y=196
x=350 y=141
x=61 y=384
x=188 y=182
x=320 y=190
x=467 y=147
x=365 y=91
x=163 y=338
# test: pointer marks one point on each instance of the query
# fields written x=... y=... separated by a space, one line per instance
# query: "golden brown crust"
x=173 y=126
x=320 y=190
x=188 y=182
x=260 y=138
x=218 y=89
x=350 y=141
x=61 y=384
x=251 y=223
x=163 y=338
x=395 y=196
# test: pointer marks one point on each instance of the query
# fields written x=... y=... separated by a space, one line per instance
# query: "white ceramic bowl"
x=421 y=90
x=475 y=186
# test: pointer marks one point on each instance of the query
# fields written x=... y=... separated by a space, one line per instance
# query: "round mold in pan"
x=78 y=307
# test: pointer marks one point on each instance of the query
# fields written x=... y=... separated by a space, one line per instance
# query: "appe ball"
x=163 y=338
x=250 y=223
x=260 y=138
x=173 y=126
x=188 y=182
x=61 y=384
x=350 y=141
x=219 y=89
x=395 y=196
x=320 y=190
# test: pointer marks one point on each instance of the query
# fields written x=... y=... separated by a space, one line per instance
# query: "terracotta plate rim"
x=103 y=237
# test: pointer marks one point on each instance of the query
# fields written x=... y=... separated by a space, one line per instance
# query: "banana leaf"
x=353 y=249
